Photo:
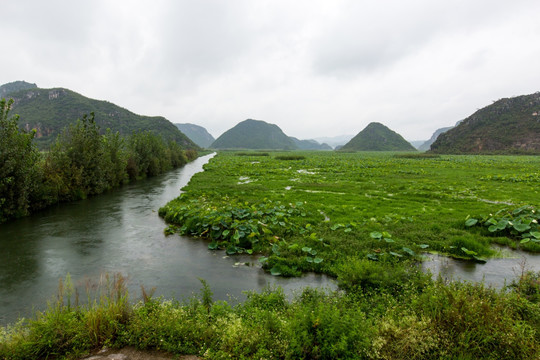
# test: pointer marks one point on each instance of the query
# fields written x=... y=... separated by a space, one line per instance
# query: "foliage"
x=431 y=321
x=520 y=223
x=81 y=163
x=19 y=170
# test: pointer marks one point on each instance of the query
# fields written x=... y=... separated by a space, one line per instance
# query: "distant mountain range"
x=258 y=134
x=510 y=125
x=426 y=145
x=197 y=134
x=377 y=137
x=334 y=141
x=48 y=111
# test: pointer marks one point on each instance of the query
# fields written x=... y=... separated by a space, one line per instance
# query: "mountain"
x=197 y=134
x=417 y=143
x=310 y=144
x=335 y=140
x=377 y=137
x=15 y=86
x=51 y=110
x=426 y=145
x=254 y=134
x=509 y=125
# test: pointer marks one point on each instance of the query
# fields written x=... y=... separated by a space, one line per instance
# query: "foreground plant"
x=422 y=319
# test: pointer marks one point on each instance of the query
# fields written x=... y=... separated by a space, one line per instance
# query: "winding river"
x=121 y=232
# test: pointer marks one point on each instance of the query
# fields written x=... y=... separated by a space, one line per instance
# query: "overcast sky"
x=315 y=68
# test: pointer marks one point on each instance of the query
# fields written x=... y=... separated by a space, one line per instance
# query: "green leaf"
x=471 y=222
x=521 y=227
x=386 y=234
x=395 y=254
x=372 y=257
x=469 y=252
x=276 y=270
x=309 y=259
x=313 y=252
x=375 y=235
x=493 y=228
x=409 y=251
x=524 y=241
x=213 y=246
x=536 y=234
x=318 y=260
x=275 y=249
x=423 y=246
x=306 y=249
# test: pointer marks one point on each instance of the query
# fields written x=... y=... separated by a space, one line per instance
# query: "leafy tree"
x=78 y=156
x=18 y=165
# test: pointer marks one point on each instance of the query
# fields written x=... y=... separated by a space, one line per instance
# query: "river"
x=121 y=232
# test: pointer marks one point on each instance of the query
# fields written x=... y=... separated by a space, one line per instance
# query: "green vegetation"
x=18 y=165
x=377 y=206
x=377 y=137
x=49 y=111
x=197 y=134
x=422 y=319
x=15 y=86
x=80 y=163
x=254 y=134
x=510 y=126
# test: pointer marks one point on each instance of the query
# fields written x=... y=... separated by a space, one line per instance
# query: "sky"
x=315 y=68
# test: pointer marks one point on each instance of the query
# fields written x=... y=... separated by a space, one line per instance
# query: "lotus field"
x=327 y=211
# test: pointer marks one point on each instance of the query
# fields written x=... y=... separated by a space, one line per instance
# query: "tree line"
x=81 y=162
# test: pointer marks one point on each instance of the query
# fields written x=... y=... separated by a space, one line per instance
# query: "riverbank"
x=415 y=318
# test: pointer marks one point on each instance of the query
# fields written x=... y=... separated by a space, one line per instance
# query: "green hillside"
x=254 y=134
x=15 y=86
x=510 y=125
x=197 y=134
x=50 y=110
x=377 y=137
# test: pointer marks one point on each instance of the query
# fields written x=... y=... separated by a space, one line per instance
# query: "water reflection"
x=496 y=272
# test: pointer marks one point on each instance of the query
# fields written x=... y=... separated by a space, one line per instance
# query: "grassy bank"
x=420 y=320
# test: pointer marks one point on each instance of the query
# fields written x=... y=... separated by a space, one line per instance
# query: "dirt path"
x=130 y=353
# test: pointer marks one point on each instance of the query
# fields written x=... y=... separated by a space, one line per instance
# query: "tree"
x=18 y=165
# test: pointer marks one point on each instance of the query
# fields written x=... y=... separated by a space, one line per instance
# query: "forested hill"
x=198 y=134
x=254 y=134
x=51 y=110
x=12 y=87
x=377 y=137
x=510 y=125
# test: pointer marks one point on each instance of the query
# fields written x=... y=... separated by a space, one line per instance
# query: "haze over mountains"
x=198 y=134
x=48 y=111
